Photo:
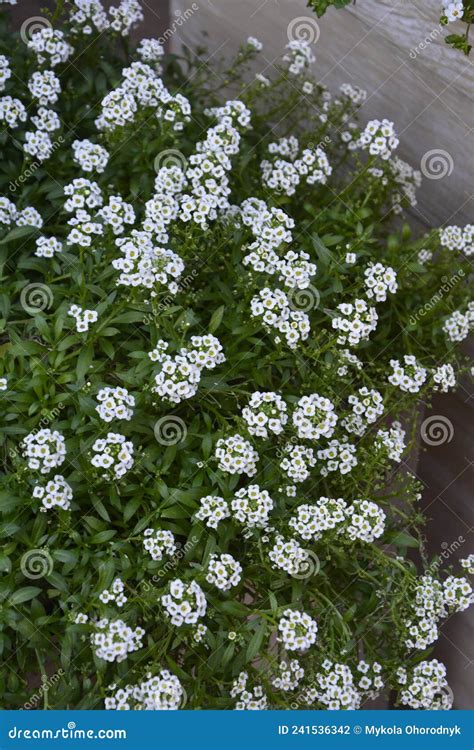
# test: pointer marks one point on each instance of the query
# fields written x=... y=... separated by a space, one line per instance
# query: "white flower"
x=251 y=506
x=56 y=493
x=114 y=640
x=83 y=317
x=48 y=247
x=91 y=157
x=116 y=594
x=426 y=687
x=357 y=322
x=44 y=86
x=249 y=700
x=265 y=414
x=236 y=455
x=160 y=692
x=379 y=138
x=297 y=630
x=50 y=46
x=314 y=417
x=185 y=603
x=44 y=449
x=115 y=403
x=224 y=572
x=159 y=542
x=212 y=510
x=410 y=376
x=114 y=454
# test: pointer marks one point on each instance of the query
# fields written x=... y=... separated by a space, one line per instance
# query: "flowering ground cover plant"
x=216 y=337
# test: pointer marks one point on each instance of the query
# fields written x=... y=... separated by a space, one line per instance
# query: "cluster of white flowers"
x=146 y=265
x=348 y=360
x=142 y=89
x=38 y=144
x=338 y=456
x=249 y=700
x=284 y=175
x=424 y=256
x=150 y=50
x=458 y=238
x=379 y=138
x=458 y=326
x=12 y=111
x=434 y=601
x=83 y=229
x=5 y=71
x=224 y=572
x=50 y=46
x=47 y=247
x=367 y=407
x=444 y=378
x=83 y=194
x=392 y=441
x=312 y=521
x=298 y=462
x=56 y=493
x=297 y=630
x=114 y=594
x=44 y=449
x=314 y=417
x=299 y=56
x=289 y=555
x=87 y=17
x=125 y=16
x=409 y=376
x=252 y=506
x=91 y=157
x=159 y=542
x=289 y=675
x=46 y=120
x=114 y=454
x=265 y=413
x=116 y=213
x=212 y=510
x=379 y=280
x=180 y=375
x=354 y=93
x=185 y=603
x=339 y=688
x=425 y=687
x=468 y=564
x=254 y=43
x=236 y=455
x=3 y=384
x=83 y=317
x=160 y=692
x=274 y=309
x=453 y=11
x=366 y=521
x=357 y=323
x=114 y=639
x=270 y=227
x=115 y=403
x=44 y=86
x=408 y=179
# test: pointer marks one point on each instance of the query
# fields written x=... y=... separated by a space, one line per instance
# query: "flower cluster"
x=289 y=676
x=212 y=510
x=356 y=322
x=392 y=441
x=56 y=493
x=159 y=542
x=44 y=449
x=458 y=238
x=114 y=639
x=289 y=555
x=91 y=157
x=425 y=687
x=297 y=630
x=366 y=521
x=311 y=521
x=338 y=456
x=114 y=403
x=50 y=46
x=184 y=603
x=114 y=594
x=114 y=454
x=160 y=692
x=274 y=309
x=298 y=462
x=367 y=407
x=224 y=572
x=236 y=455
x=248 y=700
x=265 y=413
x=379 y=280
x=338 y=687
x=251 y=506
x=314 y=417
x=379 y=138
x=458 y=325
x=180 y=375
x=83 y=317
x=409 y=376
